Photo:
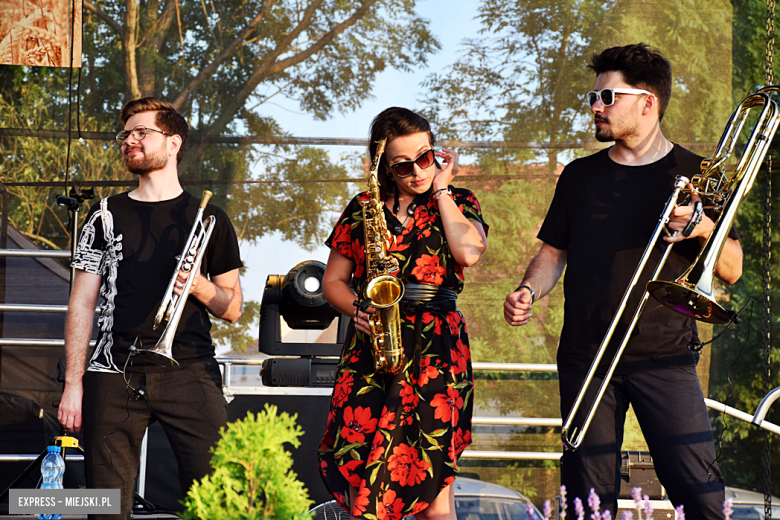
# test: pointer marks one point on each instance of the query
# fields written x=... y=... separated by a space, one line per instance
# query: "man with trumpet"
x=127 y=253
x=604 y=209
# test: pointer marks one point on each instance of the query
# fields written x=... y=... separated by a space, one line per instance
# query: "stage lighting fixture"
x=297 y=297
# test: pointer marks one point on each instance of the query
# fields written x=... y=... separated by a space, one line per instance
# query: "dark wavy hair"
x=642 y=67
x=168 y=118
x=391 y=123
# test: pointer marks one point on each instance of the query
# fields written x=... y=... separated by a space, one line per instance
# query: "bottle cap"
x=53 y=449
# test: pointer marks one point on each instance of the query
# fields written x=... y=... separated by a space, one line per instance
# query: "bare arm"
x=221 y=295
x=335 y=288
x=729 y=266
x=542 y=274
x=466 y=239
x=78 y=330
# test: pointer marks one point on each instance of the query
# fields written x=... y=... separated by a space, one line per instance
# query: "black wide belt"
x=421 y=298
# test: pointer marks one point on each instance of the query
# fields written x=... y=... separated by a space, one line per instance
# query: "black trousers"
x=187 y=401
x=670 y=408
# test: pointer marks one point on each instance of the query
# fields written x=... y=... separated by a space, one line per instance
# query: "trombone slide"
x=571 y=435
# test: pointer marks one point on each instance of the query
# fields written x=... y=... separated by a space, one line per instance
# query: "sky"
x=451 y=21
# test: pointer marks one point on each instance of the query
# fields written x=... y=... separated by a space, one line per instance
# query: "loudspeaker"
x=162 y=475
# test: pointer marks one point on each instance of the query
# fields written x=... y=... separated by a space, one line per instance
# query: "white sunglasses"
x=607 y=95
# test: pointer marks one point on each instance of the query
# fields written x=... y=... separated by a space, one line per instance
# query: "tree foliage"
x=252 y=477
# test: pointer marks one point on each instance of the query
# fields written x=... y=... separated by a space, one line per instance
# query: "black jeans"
x=670 y=408
x=187 y=401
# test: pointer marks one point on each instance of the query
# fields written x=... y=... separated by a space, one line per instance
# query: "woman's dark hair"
x=391 y=123
x=642 y=67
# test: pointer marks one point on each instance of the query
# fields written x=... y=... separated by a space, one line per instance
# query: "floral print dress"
x=396 y=438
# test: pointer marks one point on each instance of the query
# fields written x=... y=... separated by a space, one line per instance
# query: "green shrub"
x=252 y=477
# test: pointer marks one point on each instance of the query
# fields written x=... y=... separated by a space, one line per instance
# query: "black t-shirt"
x=603 y=214
x=134 y=249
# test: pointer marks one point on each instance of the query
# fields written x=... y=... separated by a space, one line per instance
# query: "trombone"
x=692 y=293
x=172 y=305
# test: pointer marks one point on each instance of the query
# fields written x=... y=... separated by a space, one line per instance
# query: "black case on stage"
x=638 y=470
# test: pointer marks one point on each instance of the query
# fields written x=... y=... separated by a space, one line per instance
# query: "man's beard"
x=604 y=134
x=151 y=162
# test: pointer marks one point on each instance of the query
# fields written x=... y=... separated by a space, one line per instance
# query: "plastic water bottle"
x=52 y=470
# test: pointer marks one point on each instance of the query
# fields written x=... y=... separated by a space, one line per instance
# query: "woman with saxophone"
x=394 y=433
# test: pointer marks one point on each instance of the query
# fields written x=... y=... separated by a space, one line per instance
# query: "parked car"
x=474 y=500
x=749 y=505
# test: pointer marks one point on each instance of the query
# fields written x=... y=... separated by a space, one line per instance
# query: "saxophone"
x=382 y=290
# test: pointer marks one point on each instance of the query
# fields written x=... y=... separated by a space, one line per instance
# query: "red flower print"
x=361 y=502
x=422 y=221
x=447 y=406
x=397 y=244
x=449 y=480
x=419 y=506
x=464 y=349
x=342 y=239
x=458 y=271
x=459 y=364
x=460 y=441
x=323 y=468
x=408 y=396
x=386 y=419
x=342 y=389
x=429 y=317
x=405 y=466
x=348 y=470
x=357 y=424
x=376 y=453
x=327 y=440
x=427 y=372
x=428 y=270
x=453 y=319
x=460 y=358
x=358 y=256
x=340 y=498
x=389 y=506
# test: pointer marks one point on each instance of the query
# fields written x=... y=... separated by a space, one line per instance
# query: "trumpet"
x=692 y=293
x=172 y=305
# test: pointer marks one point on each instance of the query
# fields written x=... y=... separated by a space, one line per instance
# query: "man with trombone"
x=127 y=254
x=604 y=209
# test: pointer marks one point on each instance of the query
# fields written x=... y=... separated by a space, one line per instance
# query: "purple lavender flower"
x=547 y=510
x=594 y=502
x=628 y=515
x=648 y=507
x=727 y=511
x=578 y=509
x=606 y=515
x=678 y=513
x=530 y=514
x=563 y=502
x=636 y=494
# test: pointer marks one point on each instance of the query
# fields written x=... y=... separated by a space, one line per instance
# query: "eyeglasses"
x=139 y=132
x=405 y=168
x=607 y=95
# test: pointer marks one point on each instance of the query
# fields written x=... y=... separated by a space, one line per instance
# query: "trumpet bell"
x=689 y=301
x=164 y=355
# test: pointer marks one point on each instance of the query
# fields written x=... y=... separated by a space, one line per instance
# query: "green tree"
x=737 y=374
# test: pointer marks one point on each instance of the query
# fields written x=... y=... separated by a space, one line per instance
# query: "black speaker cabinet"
x=162 y=481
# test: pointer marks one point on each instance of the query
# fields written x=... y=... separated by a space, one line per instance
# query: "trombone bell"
x=689 y=301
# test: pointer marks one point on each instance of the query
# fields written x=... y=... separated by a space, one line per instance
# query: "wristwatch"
x=533 y=294
x=438 y=193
